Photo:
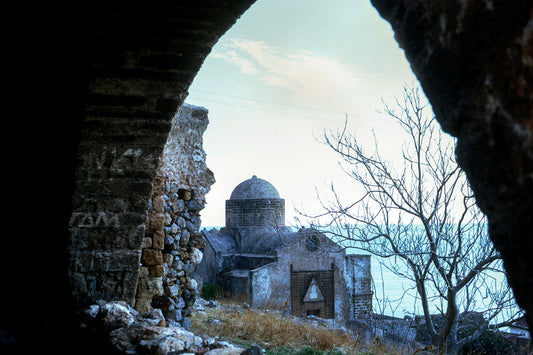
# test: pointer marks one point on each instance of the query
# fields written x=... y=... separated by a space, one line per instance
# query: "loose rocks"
x=132 y=333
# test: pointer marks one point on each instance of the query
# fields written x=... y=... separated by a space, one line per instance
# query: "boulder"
x=153 y=317
x=117 y=314
x=142 y=337
x=131 y=333
x=161 y=346
x=196 y=256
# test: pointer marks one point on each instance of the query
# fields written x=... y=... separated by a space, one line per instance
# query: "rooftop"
x=254 y=188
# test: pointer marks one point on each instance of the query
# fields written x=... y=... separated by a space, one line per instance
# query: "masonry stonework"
x=112 y=77
x=255 y=212
x=172 y=241
x=271 y=266
x=141 y=60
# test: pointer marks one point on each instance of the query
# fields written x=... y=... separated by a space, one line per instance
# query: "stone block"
x=158 y=204
x=173 y=196
x=117 y=314
x=155 y=222
x=143 y=272
x=185 y=236
x=181 y=222
x=191 y=227
x=178 y=206
x=157 y=270
x=168 y=219
x=180 y=303
x=147 y=243
x=174 y=314
x=150 y=286
x=168 y=259
x=158 y=187
x=143 y=304
x=152 y=257
x=158 y=240
x=185 y=195
x=191 y=284
x=174 y=229
x=169 y=240
x=177 y=264
x=196 y=256
x=172 y=290
x=187 y=324
x=164 y=345
x=195 y=206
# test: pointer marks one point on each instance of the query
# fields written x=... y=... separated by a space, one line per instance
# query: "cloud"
x=246 y=66
x=305 y=75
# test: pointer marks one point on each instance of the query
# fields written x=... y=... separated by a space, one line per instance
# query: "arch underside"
x=138 y=63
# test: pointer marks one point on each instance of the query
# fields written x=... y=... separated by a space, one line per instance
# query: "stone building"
x=256 y=256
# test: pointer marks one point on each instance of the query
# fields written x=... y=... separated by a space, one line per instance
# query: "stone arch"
x=124 y=77
x=142 y=61
x=145 y=58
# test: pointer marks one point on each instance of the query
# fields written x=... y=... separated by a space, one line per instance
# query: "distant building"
x=518 y=329
x=257 y=257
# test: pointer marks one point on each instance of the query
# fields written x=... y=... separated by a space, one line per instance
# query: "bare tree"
x=422 y=214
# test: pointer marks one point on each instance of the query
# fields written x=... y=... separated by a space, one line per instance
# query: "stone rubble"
x=130 y=332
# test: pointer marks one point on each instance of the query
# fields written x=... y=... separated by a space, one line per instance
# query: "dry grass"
x=272 y=330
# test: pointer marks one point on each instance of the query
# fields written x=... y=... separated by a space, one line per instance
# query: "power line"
x=281 y=104
x=264 y=110
x=291 y=114
x=276 y=103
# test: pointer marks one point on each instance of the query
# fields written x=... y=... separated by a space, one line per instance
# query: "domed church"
x=257 y=257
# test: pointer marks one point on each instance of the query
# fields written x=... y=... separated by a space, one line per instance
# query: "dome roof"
x=254 y=188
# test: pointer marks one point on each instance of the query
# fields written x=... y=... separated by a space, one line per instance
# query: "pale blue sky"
x=285 y=72
x=282 y=74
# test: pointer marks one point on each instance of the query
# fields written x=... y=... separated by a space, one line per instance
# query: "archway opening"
x=274 y=94
x=139 y=61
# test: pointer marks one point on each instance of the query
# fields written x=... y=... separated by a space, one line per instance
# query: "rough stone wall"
x=208 y=267
x=269 y=287
x=140 y=61
x=474 y=60
x=359 y=280
x=326 y=254
x=172 y=242
x=272 y=283
x=184 y=159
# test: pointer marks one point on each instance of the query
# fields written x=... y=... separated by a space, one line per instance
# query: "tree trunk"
x=452 y=314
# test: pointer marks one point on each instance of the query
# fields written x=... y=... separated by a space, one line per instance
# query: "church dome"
x=254 y=188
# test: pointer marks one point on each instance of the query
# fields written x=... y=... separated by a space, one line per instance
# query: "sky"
x=282 y=75
x=286 y=72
